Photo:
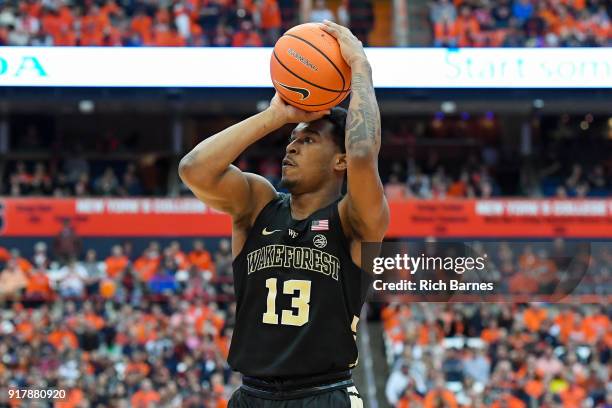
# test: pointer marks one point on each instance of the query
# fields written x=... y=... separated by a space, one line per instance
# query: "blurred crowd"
x=521 y=23
x=474 y=179
x=73 y=179
x=125 y=330
x=428 y=178
x=498 y=355
x=177 y=23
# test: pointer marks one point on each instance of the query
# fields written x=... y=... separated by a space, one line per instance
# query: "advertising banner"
x=498 y=218
x=196 y=67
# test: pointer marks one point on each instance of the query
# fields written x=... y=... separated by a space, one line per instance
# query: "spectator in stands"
x=67 y=244
x=200 y=257
x=163 y=281
x=270 y=15
x=467 y=28
x=13 y=281
x=440 y=396
x=246 y=36
x=146 y=397
x=394 y=189
x=223 y=259
x=476 y=366
x=442 y=10
x=502 y=14
x=321 y=12
x=81 y=187
x=106 y=184
x=71 y=280
x=116 y=262
x=40 y=183
x=130 y=185
x=41 y=258
x=39 y=287
x=522 y=10
x=20 y=180
x=209 y=18
x=397 y=383
x=147 y=265
x=361 y=21
x=221 y=37
x=94 y=273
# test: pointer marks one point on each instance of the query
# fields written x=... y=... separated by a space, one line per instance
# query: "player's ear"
x=340 y=162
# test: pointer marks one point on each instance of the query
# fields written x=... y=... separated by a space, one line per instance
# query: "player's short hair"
x=337 y=117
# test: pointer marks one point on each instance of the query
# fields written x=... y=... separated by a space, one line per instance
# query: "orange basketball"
x=308 y=70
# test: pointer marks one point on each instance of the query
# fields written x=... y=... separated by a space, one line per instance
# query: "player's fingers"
x=340 y=30
x=330 y=30
x=316 y=115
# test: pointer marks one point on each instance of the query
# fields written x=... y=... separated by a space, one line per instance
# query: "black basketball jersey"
x=299 y=295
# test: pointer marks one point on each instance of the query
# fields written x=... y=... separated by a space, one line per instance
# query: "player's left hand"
x=350 y=46
x=290 y=114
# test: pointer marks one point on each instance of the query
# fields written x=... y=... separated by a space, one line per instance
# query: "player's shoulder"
x=262 y=193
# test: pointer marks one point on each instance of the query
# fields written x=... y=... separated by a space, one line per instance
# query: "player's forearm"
x=212 y=156
x=363 y=119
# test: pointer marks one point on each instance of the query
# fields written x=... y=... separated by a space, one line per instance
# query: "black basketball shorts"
x=336 y=398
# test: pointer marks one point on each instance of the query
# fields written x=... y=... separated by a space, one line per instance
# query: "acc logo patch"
x=319 y=241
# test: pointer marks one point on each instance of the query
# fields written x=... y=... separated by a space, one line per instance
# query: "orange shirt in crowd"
x=66 y=17
x=243 y=39
x=565 y=321
x=26 y=330
x=509 y=402
x=467 y=29
x=145 y=399
x=168 y=38
x=457 y=189
x=534 y=388
x=95 y=321
x=51 y=24
x=490 y=335
x=38 y=285
x=141 y=368
x=270 y=14
x=433 y=397
x=201 y=259
x=115 y=265
x=25 y=265
x=142 y=25
x=74 y=397
x=221 y=402
x=181 y=260
x=59 y=337
x=445 y=31
x=65 y=38
x=573 y=396
x=522 y=283
x=5 y=255
x=411 y=400
x=533 y=318
x=146 y=268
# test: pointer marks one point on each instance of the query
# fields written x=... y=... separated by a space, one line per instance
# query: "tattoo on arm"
x=363 y=119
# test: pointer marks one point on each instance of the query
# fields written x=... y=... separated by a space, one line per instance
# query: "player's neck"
x=303 y=205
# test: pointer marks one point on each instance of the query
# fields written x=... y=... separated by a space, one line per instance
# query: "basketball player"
x=297 y=275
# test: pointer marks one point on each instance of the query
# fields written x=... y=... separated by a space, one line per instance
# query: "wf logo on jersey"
x=290 y=257
x=292 y=233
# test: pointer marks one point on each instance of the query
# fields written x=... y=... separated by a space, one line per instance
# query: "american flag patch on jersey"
x=319 y=225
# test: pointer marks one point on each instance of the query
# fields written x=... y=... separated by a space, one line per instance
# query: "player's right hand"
x=290 y=114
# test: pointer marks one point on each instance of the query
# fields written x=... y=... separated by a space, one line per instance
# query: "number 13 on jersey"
x=299 y=301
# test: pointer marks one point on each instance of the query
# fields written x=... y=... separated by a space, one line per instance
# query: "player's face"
x=312 y=157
